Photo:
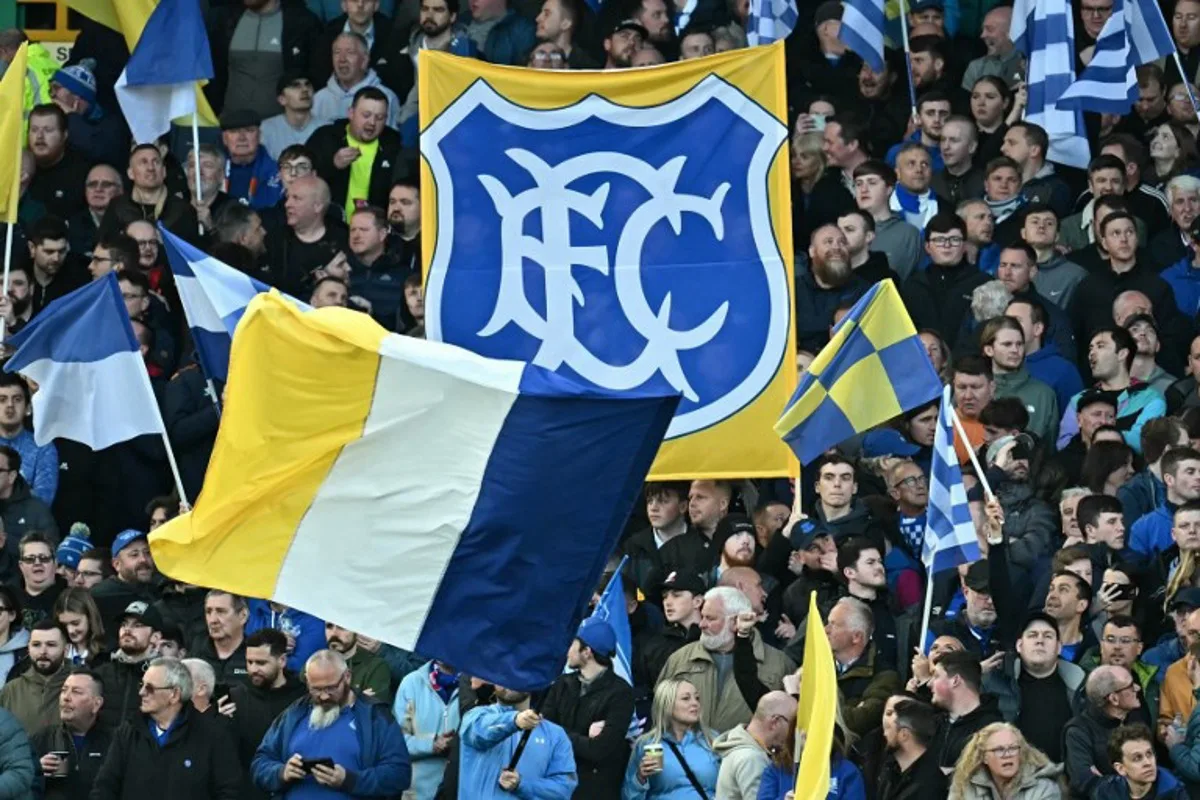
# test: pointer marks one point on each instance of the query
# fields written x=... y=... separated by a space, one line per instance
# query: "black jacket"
x=816 y=305
x=649 y=660
x=1085 y=745
x=1091 y=305
x=191 y=418
x=328 y=139
x=230 y=670
x=195 y=763
x=828 y=200
x=122 y=680
x=302 y=39
x=923 y=779
x=82 y=764
x=953 y=735
x=257 y=708
x=940 y=297
x=599 y=761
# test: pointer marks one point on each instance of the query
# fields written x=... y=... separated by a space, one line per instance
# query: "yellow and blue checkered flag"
x=874 y=368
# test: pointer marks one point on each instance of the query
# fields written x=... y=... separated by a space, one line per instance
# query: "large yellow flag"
x=818 y=709
x=12 y=129
x=128 y=17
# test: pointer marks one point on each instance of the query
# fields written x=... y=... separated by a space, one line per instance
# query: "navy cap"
x=126 y=538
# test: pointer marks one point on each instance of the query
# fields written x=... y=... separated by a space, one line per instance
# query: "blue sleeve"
x=266 y=770
x=484 y=729
x=560 y=779
x=310 y=640
x=410 y=132
x=852 y=786
x=45 y=478
x=632 y=789
x=1186 y=755
x=1141 y=537
x=419 y=746
x=950 y=16
x=1154 y=408
x=392 y=773
x=771 y=787
x=1069 y=425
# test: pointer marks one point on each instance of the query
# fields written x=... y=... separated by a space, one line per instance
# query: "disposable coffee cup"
x=654 y=750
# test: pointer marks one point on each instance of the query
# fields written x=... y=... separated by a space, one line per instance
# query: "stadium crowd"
x=1061 y=305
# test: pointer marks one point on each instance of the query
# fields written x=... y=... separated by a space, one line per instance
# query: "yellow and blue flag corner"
x=12 y=134
x=873 y=369
x=627 y=229
x=816 y=713
x=421 y=498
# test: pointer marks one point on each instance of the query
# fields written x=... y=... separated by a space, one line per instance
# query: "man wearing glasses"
x=39 y=586
x=171 y=751
x=939 y=297
x=1112 y=694
x=103 y=184
x=1120 y=646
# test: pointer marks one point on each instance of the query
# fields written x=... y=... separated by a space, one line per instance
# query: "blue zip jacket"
x=489 y=738
x=845 y=781
x=1152 y=533
x=1140 y=495
x=423 y=715
x=672 y=783
x=39 y=465
x=312 y=630
x=261 y=175
x=380 y=744
x=1166 y=652
x=1137 y=404
x=1049 y=367
x=1184 y=280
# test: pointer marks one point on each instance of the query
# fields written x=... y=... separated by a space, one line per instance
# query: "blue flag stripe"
x=173 y=47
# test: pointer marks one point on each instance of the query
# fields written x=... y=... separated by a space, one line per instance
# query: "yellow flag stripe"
x=817 y=710
x=12 y=134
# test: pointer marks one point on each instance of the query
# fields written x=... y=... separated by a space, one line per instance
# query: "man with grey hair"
x=1111 y=693
x=351 y=72
x=333 y=739
x=989 y=300
x=708 y=663
x=204 y=682
x=172 y=750
x=212 y=198
x=864 y=682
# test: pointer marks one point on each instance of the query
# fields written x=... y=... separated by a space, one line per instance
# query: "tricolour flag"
x=159 y=82
x=950 y=537
x=1044 y=31
x=770 y=21
x=12 y=134
x=214 y=297
x=611 y=608
x=1135 y=34
x=412 y=491
x=862 y=30
x=874 y=368
x=816 y=713
x=93 y=386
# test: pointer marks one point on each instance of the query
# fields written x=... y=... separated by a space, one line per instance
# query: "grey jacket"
x=1033 y=783
x=900 y=242
x=1057 y=278
x=16 y=760
x=1038 y=398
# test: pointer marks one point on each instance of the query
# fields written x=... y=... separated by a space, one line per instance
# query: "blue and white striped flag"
x=949 y=531
x=1135 y=34
x=862 y=30
x=770 y=21
x=1044 y=31
x=611 y=608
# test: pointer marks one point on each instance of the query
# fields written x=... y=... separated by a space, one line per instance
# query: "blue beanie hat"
x=78 y=79
x=598 y=635
x=74 y=546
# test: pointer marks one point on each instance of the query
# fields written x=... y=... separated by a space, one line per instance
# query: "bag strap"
x=691 y=776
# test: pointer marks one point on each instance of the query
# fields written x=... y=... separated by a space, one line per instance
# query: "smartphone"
x=220 y=690
x=307 y=764
x=1125 y=591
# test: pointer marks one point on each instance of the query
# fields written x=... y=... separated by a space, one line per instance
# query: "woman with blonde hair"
x=998 y=764
x=77 y=612
x=818 y=195
x=674 y=760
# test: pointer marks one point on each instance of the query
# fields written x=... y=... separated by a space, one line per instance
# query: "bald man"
x=310 y=243
x=745 y=750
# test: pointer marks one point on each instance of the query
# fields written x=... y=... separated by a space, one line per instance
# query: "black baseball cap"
x=631 y=25
x=1037 y=616
x=1186 y=598
x=240 y=118
x=683 y=581
x=290 y=79
x=1092 y=396
x=978 y=577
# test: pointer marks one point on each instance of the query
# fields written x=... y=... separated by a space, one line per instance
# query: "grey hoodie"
x=11 y=652
x=743 y=761
x=1032 y=783
x=900 y=242
x=1057 y=278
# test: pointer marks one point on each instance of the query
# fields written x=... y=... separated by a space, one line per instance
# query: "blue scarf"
x=917 y=209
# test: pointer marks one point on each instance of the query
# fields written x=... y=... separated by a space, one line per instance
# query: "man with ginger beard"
x=828 y=282
x=372 y=760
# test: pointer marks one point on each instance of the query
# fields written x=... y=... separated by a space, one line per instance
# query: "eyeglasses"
x=296 y=168
x=90 y=573
x=945 y=241
x=1121 y=640
x=1006 y=750
x=321 y=691
x=101 y=259
x=101 y=184
x=551 y=58
x=36 y=559
x=912 y=481
x=150 y=688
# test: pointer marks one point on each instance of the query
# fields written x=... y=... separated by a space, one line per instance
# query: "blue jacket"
x=510 y=40
x=1184 y=279
x=845 y=782
x=379 y=740
x=1168 y=650
x=1137 y=404
x=1049 y=367
x=1152 y=533
x=312 y=630
x=489 y=738
x=261 y=175
x=1140 y=495
x=672 y=783
x=423 y=715
x=1166 y=786
x=39 y=465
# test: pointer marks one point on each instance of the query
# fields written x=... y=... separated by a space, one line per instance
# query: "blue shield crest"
x=627 y=247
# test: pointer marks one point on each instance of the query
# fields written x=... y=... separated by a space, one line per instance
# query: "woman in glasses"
x=999 y=763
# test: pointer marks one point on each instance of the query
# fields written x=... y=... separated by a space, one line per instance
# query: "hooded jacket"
x=22 y=513
x=33 y=697
x=1038 y=398
x=1140 y=495
x=12 y=652
x=1032 y=783
x=16 y=760
x=122 y=681
x=743 y=761
x=309 y=639
x=672 y=782
x=423 y=716
x=1004 y=683
x=333 y=102
x=489 y=739
x=865 y=687
x=1184 y=279
x=1048 y=366
x=953 y=734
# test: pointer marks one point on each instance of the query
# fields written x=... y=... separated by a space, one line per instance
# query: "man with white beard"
x=334 y=739
x=828 y=282
x=708 y=663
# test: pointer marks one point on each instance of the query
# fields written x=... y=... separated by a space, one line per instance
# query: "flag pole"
x=166 y=442
x=971 y=452
x=8 y=254
x=912 y=89
x=1187 y=85
x=928 y=607
x=196 y=162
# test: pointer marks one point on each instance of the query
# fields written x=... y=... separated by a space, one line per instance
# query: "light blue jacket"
x=422 y=716
x=672 y=783
x=489 y=738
